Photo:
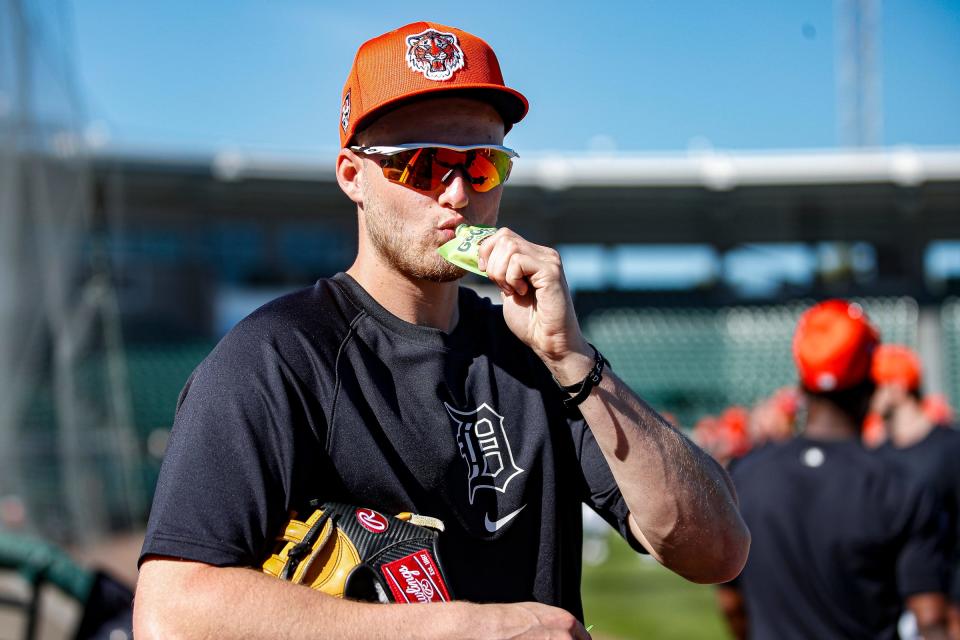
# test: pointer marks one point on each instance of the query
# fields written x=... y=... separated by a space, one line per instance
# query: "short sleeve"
x=923 y=561
x=734 y=471
x=601 y=491
x=225 y=482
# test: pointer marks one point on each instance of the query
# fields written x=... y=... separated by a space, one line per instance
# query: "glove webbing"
x=305 y=547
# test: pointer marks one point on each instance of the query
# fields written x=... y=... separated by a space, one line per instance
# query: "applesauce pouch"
x=464 y=249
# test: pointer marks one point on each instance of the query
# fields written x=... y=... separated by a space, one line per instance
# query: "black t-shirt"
x=839 y=538
x=323 y=394
x=936 y=461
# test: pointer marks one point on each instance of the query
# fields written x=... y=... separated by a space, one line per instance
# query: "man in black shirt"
x=390 y=387
x=931 y=452
x=841 y=537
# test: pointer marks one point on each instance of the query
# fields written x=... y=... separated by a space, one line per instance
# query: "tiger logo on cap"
x=435 y=54
x=345 y=111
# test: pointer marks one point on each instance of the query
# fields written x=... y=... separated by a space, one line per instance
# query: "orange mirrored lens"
x=427 y=168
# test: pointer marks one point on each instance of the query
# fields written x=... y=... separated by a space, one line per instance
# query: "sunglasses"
x=427 y=166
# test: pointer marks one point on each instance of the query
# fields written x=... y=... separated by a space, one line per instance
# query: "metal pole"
x=12 y=222
x=859 y=104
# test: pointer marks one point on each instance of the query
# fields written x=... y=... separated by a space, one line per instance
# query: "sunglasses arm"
x=393 y=150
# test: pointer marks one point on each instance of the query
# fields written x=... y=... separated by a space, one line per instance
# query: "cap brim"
x=509 y=103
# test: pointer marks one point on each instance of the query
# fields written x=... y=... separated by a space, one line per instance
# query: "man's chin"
x=413 y=265
x=439 y=271
x=444 y=273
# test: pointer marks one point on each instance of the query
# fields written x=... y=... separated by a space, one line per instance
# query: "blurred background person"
x=938 y=409
x=931 y=451
x=725 y=436
x=773 y=419
x=737 y=430
x=874 y=432
x=842 y=539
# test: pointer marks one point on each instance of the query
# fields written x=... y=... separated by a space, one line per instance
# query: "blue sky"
x=648 y=75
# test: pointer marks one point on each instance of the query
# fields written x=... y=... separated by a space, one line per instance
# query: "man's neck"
x=419 y=302
x=826 y=421
x=908 y=425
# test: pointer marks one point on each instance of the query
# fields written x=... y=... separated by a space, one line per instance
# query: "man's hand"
x=528 y=621
x=537 y=305
x=930 y=610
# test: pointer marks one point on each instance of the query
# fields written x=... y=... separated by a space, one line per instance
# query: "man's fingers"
x=562 y=620
x=577 y=631
x=499 y=256
x=487 y=245
x=581 y=633
x=518 y=268
x=511 y=261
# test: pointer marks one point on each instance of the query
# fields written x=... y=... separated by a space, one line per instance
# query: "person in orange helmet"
x=392 y=388
x=842 y=538
x=929 y=450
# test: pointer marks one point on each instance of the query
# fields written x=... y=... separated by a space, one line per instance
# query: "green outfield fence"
x=693 y=362
x=950 y=324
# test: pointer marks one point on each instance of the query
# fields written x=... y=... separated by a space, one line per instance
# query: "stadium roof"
x=898 y=199
x=710 y=169
x=722 y=171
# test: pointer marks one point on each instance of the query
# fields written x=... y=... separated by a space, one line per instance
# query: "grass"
x=629 y=596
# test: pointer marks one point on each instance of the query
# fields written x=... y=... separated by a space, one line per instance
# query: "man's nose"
x=456 y=190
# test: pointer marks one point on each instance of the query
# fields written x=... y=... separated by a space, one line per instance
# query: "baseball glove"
x=358 y=553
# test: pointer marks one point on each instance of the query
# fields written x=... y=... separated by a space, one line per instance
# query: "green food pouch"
x=464 y=249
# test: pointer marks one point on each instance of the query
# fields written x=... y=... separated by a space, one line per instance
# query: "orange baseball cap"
x=896 y=363
x=833 y=346
x=420 y=59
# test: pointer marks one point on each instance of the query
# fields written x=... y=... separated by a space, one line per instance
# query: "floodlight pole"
x=859 y=104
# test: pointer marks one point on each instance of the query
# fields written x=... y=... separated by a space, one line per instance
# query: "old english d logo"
x=484 y=447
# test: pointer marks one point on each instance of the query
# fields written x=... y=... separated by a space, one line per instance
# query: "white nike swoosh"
x=497 y=524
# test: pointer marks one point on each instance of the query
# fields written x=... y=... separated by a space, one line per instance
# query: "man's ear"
x=349 y=174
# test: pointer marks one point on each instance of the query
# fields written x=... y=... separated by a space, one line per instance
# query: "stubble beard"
x=413 y=256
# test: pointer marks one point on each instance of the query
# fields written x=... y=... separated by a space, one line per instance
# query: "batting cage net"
x=67 y=456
